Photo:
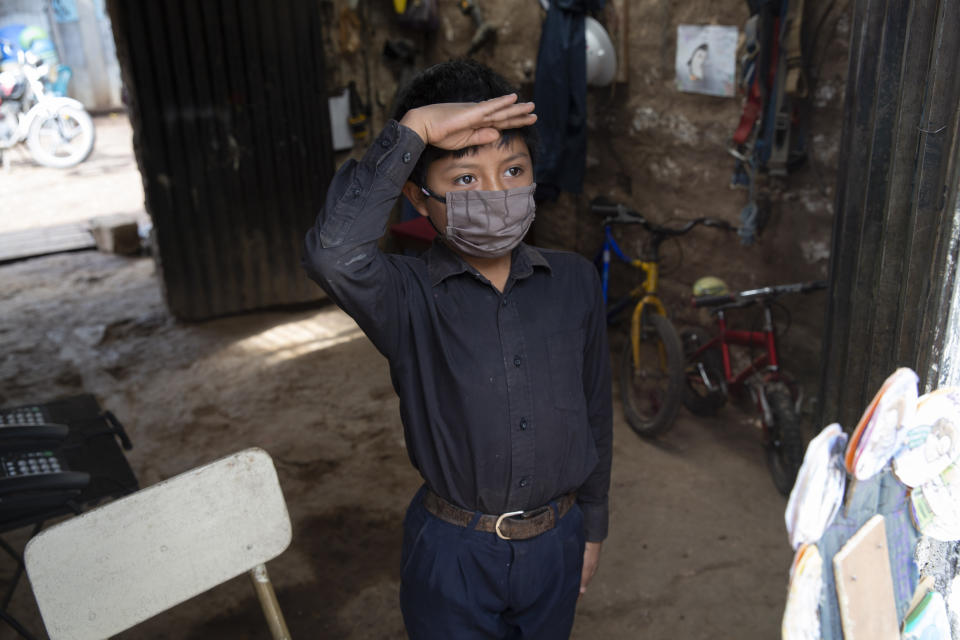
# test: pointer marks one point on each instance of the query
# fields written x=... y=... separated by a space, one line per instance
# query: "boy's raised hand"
x=455 y=125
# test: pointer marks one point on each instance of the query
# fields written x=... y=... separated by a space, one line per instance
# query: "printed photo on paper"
x=706 y=59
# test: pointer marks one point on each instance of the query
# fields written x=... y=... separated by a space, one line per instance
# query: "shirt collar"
x=443 y=262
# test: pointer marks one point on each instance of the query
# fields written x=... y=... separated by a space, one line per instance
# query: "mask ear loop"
x=431 y=194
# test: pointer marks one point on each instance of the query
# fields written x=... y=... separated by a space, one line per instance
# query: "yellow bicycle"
x=651 y=367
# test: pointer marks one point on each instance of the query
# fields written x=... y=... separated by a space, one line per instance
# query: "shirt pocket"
x=565 y=352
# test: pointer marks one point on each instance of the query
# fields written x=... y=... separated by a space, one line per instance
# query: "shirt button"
x=504 y=302
x=523 y=482
x=516 y=361
x=384 y=143
x=523 y=424
x=406 y=157
x=356 y=193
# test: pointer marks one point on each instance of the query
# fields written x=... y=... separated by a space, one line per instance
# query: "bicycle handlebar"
x=752 y=295
x=615 y=213
x=712 y=301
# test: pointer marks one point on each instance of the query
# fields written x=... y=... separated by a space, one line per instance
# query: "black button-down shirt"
x=505 y=398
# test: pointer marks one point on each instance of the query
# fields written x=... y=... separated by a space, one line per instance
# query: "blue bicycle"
x=651 y=367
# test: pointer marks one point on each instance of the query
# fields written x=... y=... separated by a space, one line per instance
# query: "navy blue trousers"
x=463 y=584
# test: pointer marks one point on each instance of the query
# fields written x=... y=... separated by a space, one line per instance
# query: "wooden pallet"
x=19 y=245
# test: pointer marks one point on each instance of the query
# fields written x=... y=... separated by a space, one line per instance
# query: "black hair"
x=459 y=80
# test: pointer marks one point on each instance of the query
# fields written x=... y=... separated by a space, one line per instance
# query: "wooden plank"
x=19 y=245
x=868 y=610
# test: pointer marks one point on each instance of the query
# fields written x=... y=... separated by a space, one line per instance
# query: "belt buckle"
x=496 y=527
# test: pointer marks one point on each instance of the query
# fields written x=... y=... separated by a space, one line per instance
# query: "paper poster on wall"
x=706 y=59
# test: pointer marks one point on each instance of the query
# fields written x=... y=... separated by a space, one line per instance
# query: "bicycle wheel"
x=784 y=448
x=705 y=389
x=651 y=391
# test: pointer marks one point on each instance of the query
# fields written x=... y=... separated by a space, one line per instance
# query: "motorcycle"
x=58 y=130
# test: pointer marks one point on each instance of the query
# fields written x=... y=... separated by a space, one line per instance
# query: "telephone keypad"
x=30 y=463
x=22 y=416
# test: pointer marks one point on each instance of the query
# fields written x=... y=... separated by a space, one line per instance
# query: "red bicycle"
x=710 y=376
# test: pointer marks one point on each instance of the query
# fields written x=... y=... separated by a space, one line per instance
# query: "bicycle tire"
x=784 y=448
x=698 y=397
x=651 y=395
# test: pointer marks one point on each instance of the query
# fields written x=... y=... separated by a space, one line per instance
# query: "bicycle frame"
x=650 y=268
x=646 y=292
x=651 y=365
x=711 y=378
x=726 y=337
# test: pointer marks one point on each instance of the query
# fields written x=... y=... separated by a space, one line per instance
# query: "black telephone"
x=34 y=476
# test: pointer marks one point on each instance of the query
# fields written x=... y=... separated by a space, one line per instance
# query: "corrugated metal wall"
x=892 y=267
x=232 y=135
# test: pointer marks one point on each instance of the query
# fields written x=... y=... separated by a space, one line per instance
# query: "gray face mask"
x=487 y=224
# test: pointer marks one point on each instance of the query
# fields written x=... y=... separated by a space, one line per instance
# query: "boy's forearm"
x=340 y=249
x=361 y=194
x=342 y=242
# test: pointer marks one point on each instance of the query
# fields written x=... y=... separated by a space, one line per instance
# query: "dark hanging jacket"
x=560 y=93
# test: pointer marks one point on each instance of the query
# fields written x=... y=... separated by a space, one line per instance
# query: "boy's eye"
x=513 y=172
x=464 y=180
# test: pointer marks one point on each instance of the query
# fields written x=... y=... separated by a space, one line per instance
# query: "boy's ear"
x=416 y=197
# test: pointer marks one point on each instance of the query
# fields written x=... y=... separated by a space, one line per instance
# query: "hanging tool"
x=485 y=32
x=359 y=114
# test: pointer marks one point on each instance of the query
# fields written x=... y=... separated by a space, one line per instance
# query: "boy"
x=497 y=351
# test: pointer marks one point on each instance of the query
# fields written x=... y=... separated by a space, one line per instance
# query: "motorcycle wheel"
x=61 y=139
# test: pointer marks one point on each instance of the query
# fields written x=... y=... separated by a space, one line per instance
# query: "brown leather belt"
x=515 y=525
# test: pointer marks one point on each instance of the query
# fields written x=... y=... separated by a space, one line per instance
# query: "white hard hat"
x=601 y=57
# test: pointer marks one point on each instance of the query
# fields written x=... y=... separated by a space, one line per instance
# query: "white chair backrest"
x=115 y=566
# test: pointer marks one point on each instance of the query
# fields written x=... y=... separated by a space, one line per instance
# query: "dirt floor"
x=697 y=545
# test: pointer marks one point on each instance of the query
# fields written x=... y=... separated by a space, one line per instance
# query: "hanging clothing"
x=560 y=93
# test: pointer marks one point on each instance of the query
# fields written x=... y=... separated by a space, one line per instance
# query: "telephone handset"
x=32 y=436
x=33 y=475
